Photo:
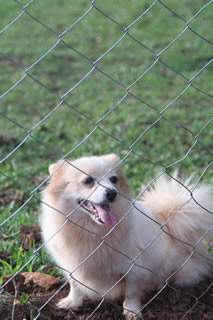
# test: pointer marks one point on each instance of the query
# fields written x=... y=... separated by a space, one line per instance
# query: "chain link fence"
x=47 y=118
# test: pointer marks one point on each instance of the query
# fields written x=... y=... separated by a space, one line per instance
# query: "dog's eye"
x=89 y=181
x=114 y=179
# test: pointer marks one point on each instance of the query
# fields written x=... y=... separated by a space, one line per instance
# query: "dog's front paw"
x=68 y=303
x=132 y=316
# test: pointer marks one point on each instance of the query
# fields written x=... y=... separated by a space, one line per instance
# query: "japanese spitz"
x=110 y=246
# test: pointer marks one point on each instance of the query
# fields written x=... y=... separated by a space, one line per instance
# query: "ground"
x=169 y=305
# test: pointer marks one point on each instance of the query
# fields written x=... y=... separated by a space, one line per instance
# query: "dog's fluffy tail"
x=186 y=215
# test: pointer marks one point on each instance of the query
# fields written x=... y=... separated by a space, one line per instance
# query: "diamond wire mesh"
x=94 y=65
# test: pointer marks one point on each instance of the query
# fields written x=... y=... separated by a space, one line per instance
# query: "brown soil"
x=30 y=236
x=171 y=304
x=11 y=195
x=5 y=139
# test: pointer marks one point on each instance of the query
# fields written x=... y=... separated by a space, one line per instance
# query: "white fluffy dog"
x=109 y=245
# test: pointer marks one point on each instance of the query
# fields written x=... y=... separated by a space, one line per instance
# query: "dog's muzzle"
x=100 y=212
x=111 y=194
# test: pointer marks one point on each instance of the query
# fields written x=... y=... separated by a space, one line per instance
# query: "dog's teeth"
x=93 y=206
x=90 y=205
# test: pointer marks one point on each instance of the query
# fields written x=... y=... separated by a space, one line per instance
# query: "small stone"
x=29 y=281
x=13 y=283
x=41 y=280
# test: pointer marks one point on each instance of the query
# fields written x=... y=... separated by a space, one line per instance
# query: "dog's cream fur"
x=137 y=254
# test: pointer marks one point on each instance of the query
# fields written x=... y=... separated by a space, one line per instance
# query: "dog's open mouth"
x=101 y=213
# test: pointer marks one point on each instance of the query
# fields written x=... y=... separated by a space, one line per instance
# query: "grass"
x=163 y=144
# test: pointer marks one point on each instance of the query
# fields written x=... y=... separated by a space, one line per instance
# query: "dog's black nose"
x=111 y=194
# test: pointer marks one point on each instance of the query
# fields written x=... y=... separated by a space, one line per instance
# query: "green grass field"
x=163 y=143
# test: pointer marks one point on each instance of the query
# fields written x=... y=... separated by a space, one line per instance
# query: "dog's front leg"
x=74 y=299
x=132 y=304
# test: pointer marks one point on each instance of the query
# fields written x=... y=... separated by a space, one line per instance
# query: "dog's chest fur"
x=95 y=262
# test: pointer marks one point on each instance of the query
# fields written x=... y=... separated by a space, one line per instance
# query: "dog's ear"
x=111 y=157
x=54 y=166
x=57 y=180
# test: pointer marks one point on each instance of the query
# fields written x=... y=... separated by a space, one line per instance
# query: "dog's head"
x=91 y=186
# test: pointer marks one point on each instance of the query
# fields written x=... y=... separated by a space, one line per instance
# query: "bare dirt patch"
x=30 y=236
x=11 y=195
x=5 y=139
x=189 y=304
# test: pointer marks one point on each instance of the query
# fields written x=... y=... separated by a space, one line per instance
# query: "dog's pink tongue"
x=106 y=216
